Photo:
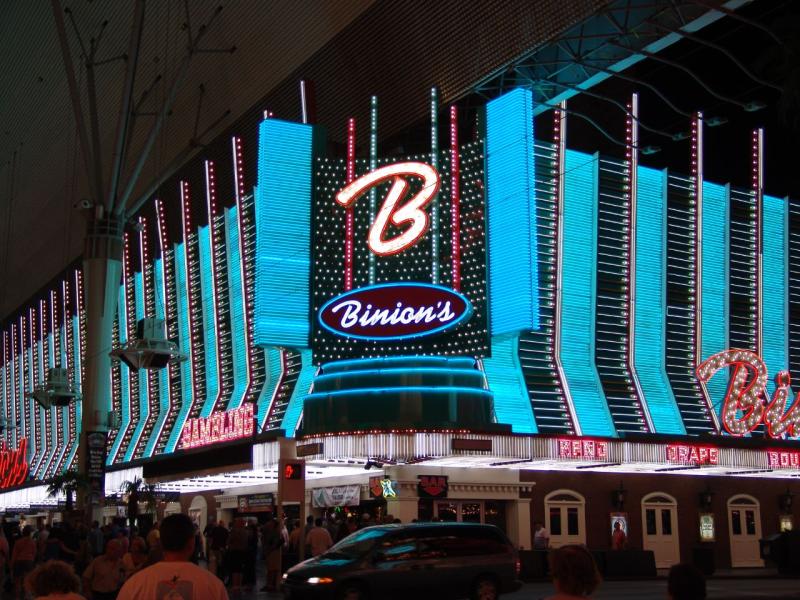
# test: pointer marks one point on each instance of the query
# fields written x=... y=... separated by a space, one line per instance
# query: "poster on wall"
x=707 y=533
x=96 y=466
x=619 y=530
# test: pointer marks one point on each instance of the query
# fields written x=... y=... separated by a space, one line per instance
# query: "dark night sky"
x=727 y=147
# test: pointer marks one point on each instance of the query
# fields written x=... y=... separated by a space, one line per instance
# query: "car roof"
x=431 y=524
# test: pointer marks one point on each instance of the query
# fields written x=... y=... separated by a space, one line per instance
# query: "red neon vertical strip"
x=758 y=193
x=455 y=201
x=349 y=215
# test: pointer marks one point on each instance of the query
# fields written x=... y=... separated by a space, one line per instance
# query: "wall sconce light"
x=706 y=498
x=618 y=497
x=785 y=501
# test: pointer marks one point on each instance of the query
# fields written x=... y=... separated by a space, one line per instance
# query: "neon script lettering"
x=411 y=213
x=353 y=314
x=747 y=402
x=394 y=311
x=13 y=465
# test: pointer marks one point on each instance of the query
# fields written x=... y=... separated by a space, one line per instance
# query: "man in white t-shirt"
x=174 y=578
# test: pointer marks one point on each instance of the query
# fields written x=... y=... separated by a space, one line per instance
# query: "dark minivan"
x=426 y=560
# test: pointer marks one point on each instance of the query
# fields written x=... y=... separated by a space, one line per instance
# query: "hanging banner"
x=96 y=466
x=342 y=495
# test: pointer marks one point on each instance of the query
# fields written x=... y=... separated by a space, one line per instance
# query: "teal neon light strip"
x=344 y=375
x=237 y=320
x=273 y=377
x=209 y=320
x=124 y=380
x=41 y=413
x=185 y=344
x=144 y=384
x=62 y=334
x=283 y=234
x=76 y=350
x=651 y=301
x=295 y=407
x=715 y=308
x=163 y=374
x=579 y=294
x=401 y=390
x=512 y=404
x=775 y=287
x=511 y=208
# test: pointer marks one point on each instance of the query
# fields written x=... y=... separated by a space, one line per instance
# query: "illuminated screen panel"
x=715 y=313
x=775 y=290
x=651 y=297
x=413 y=264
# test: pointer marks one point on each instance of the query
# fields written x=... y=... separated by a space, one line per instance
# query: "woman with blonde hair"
x=575 y=574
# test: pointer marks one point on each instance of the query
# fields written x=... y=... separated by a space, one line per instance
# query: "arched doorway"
x=198 y=511
x=660 y=528
x=744 y=528
x=565 y=516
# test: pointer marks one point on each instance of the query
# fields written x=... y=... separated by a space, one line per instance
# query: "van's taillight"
x=517 y=566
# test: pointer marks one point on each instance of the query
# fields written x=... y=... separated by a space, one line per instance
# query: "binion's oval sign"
x=394 y=311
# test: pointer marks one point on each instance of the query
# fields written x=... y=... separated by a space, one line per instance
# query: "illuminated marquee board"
x=403 y=298
x=218 y=427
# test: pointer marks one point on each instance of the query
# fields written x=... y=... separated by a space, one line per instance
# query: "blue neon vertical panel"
x=283 y=234
x=209 y=320
x=715 y=296
x=506 y=381
x=42 y=413
x=124 y=379
x=650 y=358
x=163 y=374
x=511 y=208
x=295 y=407
x=775 y=287
x=579 y=294
x=185 y=345
x=144 y=392
x=238 y=333
x=272 y=379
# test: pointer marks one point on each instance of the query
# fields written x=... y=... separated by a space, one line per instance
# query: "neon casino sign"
x=394 y=311
x=13 y=465
x=410 y=213
x=219 y=427
x=747 y=403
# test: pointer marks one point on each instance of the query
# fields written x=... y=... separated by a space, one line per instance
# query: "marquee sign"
x=580 y=449
x=747 y=403
x=394 y=311
x=13 y=465
x=218 y=427
x=692 y=454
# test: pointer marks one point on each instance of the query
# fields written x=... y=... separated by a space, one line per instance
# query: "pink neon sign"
x=218 y=427
x=411 y=213
x=579 y=449
x=747 y=402
x=692 y=454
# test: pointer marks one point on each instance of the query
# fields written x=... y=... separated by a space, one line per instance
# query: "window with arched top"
x=565 y=517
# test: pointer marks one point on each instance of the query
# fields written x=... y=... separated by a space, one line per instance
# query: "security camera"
x=83 y=204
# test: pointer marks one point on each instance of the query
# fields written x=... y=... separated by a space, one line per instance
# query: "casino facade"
x=497 y=328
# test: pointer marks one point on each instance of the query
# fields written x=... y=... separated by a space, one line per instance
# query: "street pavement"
x=718 y=589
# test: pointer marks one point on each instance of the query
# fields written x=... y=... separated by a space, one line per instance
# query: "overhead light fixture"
x=754 y=105
x=151 y=349
x=57 y=391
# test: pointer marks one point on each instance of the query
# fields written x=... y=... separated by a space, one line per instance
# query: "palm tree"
x=68 y=483
x=138 y=491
